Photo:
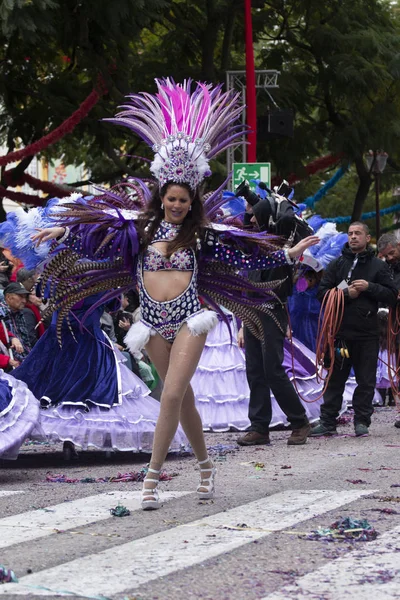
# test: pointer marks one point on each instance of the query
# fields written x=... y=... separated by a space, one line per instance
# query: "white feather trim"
x=203 y=322
x=74 y=196
x=138 y=336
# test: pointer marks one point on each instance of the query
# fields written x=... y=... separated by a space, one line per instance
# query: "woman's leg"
x=176 y=365
x=193 y=427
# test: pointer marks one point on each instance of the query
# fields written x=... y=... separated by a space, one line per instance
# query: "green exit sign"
x=251 y=171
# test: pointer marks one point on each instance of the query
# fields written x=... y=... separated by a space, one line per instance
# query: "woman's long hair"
x=192 y=226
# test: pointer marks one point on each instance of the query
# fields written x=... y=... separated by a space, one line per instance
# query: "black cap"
x=16 y=288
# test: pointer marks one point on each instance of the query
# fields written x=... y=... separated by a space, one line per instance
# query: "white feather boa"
x=138 y=336
x=202 y=322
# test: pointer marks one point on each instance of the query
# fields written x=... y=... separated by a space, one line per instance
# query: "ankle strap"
x=153 y=470
x=203 y=462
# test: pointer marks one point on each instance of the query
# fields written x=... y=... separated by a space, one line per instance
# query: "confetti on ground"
x=344 y=420
x=388 y=498
x=341 y=454
x=258 y=466
x=7 y=575
x=356 y=481
x=349 y=529
x=222 y=449
x=382 y=468
x=120 y=511
x=381 y=576
x=119 y=478
x=385 y=511
x=286 y=467
x=395 y=485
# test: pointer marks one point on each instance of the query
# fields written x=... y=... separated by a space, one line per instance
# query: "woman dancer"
x=173 y=252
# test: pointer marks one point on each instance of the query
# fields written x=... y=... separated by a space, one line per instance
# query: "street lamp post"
x=376 y=163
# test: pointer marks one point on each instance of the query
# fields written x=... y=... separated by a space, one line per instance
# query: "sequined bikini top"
x=180 y=260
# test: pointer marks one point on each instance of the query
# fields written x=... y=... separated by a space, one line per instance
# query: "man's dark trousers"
x=363 y=358
x=265 y=373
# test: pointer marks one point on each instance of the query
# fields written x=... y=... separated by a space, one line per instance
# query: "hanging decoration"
x=54 y=136
x=368 y=215
x=311 y=200
x=319 y=164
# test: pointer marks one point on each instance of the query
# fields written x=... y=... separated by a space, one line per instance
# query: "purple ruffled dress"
x=222 y=392
x=19 y=415
x=128 y=426
x=88 y=396
x=382 y=370
x=219 y=383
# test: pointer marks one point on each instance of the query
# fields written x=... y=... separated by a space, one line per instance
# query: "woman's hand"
x=299 y=248
x=16 y=344
x=14 y=363
x=240 y=338
x=44 y=235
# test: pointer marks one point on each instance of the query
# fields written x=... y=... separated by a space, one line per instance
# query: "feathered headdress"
x=185 y=129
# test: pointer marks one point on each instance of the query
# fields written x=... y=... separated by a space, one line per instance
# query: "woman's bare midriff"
x=163 y=286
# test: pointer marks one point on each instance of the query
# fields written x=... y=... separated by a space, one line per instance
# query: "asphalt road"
x=250 y=543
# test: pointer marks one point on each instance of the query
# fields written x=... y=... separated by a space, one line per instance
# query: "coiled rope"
x=329 y=321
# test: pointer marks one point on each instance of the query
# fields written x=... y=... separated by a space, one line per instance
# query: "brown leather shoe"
x=299 y=436
x=253 y=438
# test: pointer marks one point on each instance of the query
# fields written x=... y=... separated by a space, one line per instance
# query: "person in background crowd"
x=367 y=282
x=5 y=270
x=304 y=308
x=264 y=358
x=31 y=311
x=11 y=311
x=8 y=345
x=16 y=263
x=389 y=250
x=123 y=319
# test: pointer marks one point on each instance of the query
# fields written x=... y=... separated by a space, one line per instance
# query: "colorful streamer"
x=368 y=215
x=311 y=200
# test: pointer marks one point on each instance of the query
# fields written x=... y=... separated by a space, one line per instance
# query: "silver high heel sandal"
x=206 y=483
x=150 y=498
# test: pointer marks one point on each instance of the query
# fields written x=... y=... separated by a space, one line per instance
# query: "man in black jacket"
x=367 y=282
x=264 y=368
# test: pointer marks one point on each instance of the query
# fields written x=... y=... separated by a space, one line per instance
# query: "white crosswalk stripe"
x=4 y=493
x=40 y=523
x=184 y=546
x=372 y=571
